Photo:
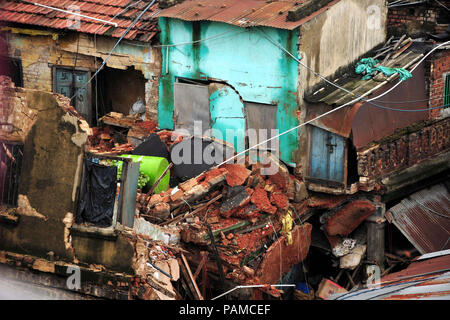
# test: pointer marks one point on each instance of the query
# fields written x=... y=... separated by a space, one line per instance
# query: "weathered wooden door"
x=65 y=80
x=327 y=156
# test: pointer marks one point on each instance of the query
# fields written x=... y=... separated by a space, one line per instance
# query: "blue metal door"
x=327 y=155
x=64 y=83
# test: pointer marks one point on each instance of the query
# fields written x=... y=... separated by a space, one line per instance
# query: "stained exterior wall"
x=53 y=138
x=335 y=39
x=339 y=36
x=39 y=53
x=243 y=59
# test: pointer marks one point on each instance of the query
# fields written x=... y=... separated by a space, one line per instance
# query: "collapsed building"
x=193 y=230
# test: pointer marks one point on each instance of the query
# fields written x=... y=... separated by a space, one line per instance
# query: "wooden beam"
x=182 y=217
x=191 y=277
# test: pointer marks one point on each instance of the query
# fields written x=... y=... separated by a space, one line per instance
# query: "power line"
x=324 y=114
x=71 y=13
x=412 y=101
x=220 y=35
x=114 y=48
x=412 y=70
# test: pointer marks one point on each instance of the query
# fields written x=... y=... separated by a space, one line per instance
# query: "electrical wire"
x=333 y=110
x=412 y=70
x=115 y=46
x=220 y=35
x=95 y=57
x=253 y=286
x=352 y=93
x=412 y=101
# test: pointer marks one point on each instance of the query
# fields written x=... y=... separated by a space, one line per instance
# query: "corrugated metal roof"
x=366 y=122
x=241 y=13
x=16 y=11
x=424 y=218
x=423 y=280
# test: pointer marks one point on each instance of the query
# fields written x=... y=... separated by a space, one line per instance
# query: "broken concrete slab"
x=301 y=192
x=237 y=174
x=353 y=258
x=169 y=236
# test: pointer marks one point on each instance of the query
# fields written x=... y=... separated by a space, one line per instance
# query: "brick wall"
x=431 y=17
x=439 y=68
x=405 y=151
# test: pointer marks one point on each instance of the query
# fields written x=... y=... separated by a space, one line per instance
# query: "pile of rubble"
x=118 y=133
x=253 y=216
x=242 y=223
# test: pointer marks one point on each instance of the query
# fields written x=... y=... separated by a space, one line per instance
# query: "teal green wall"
x=241 y=58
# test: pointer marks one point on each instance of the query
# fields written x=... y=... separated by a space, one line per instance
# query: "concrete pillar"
x=375 y=235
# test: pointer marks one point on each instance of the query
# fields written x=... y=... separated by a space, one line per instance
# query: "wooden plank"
x=191 y=277
x=159 y=179
x=182 y=217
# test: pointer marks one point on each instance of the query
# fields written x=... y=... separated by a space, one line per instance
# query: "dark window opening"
x=12 y=68
x=10 y=169
x=117 y=90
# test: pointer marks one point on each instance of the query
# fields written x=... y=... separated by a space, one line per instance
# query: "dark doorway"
x=117 y=90
x=12 y=68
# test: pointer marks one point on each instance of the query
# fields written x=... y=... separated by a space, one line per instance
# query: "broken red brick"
x=212 y=177
x=189 y=184
x=280 y=200
x=177 y=195
x=260 y=199
x=237 y=174
x=346 y=219
x=156 y=198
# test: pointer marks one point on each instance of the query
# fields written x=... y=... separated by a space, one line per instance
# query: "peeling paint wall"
x=335 y=39
x=40 y=53
x=241 y=58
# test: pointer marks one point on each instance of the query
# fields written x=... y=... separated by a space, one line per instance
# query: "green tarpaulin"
x=368 y=65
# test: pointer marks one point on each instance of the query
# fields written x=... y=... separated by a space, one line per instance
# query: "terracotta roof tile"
x=16 y=11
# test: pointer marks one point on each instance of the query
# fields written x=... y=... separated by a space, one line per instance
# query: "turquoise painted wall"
x=240 y=57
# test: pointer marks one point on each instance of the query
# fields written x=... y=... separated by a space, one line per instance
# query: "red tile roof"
x=24 y=12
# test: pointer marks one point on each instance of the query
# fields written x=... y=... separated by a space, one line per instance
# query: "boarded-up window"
x=191 y=103
x=263 y=119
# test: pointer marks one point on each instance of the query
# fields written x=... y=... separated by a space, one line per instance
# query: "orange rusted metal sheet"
x=241 y=13
x=424 y=218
